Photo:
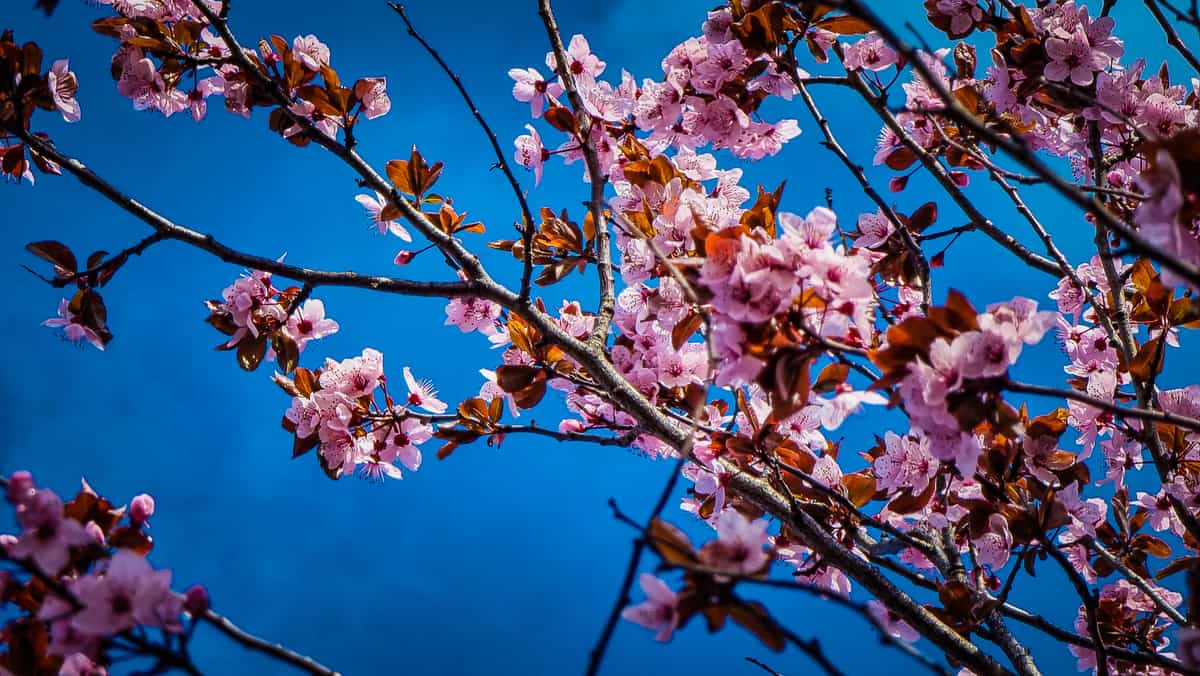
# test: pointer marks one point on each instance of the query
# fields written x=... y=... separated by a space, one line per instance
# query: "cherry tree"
x=732 y=332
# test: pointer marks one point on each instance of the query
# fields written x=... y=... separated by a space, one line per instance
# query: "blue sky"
x=495 y=561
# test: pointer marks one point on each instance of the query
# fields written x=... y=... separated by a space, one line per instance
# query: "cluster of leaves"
x=559 y=245
x=414 y=179
x=86 y=306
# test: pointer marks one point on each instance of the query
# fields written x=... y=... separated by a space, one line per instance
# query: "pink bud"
x=404 y=257
x=7 y=540
x=898 y=183
x=140 y=509
x=571 y=426
x=20 y=487
x=960 y=178
x=95 y=532
x=195 y=600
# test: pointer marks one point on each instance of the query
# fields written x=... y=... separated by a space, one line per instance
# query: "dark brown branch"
x=168 y=229
x=1107 y=406
x=276 y=651
x=635 y=558
x=1172 y=35
x=584 y=121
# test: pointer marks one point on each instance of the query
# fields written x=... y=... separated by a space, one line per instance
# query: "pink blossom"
x=1072 y=57
x=658 y=611
x=421 y=394
x=963 y=14
x=375 y=206
x=354 y=377
x=141 y=508
x=48 y=535
x=471 y=313
x=580 y=61
x=72 y=326
x=531 y=153
x=738 y=548
x=891 y=623
x=129 y=593
x=310 y=52
x=876 y=228
x=78 y=664
x=308 y=322
x=870 y=53
x=63 y=85
x=905 y=464
x=375 y=100
x=529 y=86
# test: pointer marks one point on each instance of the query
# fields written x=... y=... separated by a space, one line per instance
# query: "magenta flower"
x=658 y=611
x=72 y=326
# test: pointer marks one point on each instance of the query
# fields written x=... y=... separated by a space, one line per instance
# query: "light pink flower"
x=658 y=611
x=531 y=153
x=63 y=85
x=48 y=535
x=72 y=326
x=308 y=322
x=129 y=593
x=374 y=206
x=421 y=394
x=738 y=548
x=529 y=86
x=375 y=100
x=310 y=52
x=580 y=61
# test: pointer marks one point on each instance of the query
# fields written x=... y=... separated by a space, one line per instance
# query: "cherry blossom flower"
x=658 y=612
x=48 y=535
x=375 y=100
x=580 y=61
x=421 y=394
x=375 y=206
x=870 y=53
x=738 y=548
x=308 y=322
x=891 y=623
x=530 y=87
x=531 y=153
x=63 y=85
x=310 y=52
x=72 y=326
x=129 y=592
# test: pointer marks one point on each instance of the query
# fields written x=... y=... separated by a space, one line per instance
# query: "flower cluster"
x=88 y=579
x=335 y=409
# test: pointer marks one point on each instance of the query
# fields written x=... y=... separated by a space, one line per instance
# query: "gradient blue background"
x=497 y=561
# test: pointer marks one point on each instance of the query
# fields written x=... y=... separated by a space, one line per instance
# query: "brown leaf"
x=844 y=25
x=56 y=253
x=670 y=543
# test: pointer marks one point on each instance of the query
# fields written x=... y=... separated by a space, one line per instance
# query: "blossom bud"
x=571 y=426
x=20 y=487
x=140 y=509
x=195 y=600
x=7 y=540
x=404 y=257
x=95 y=532
x=960 y=178
x=898 y=183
